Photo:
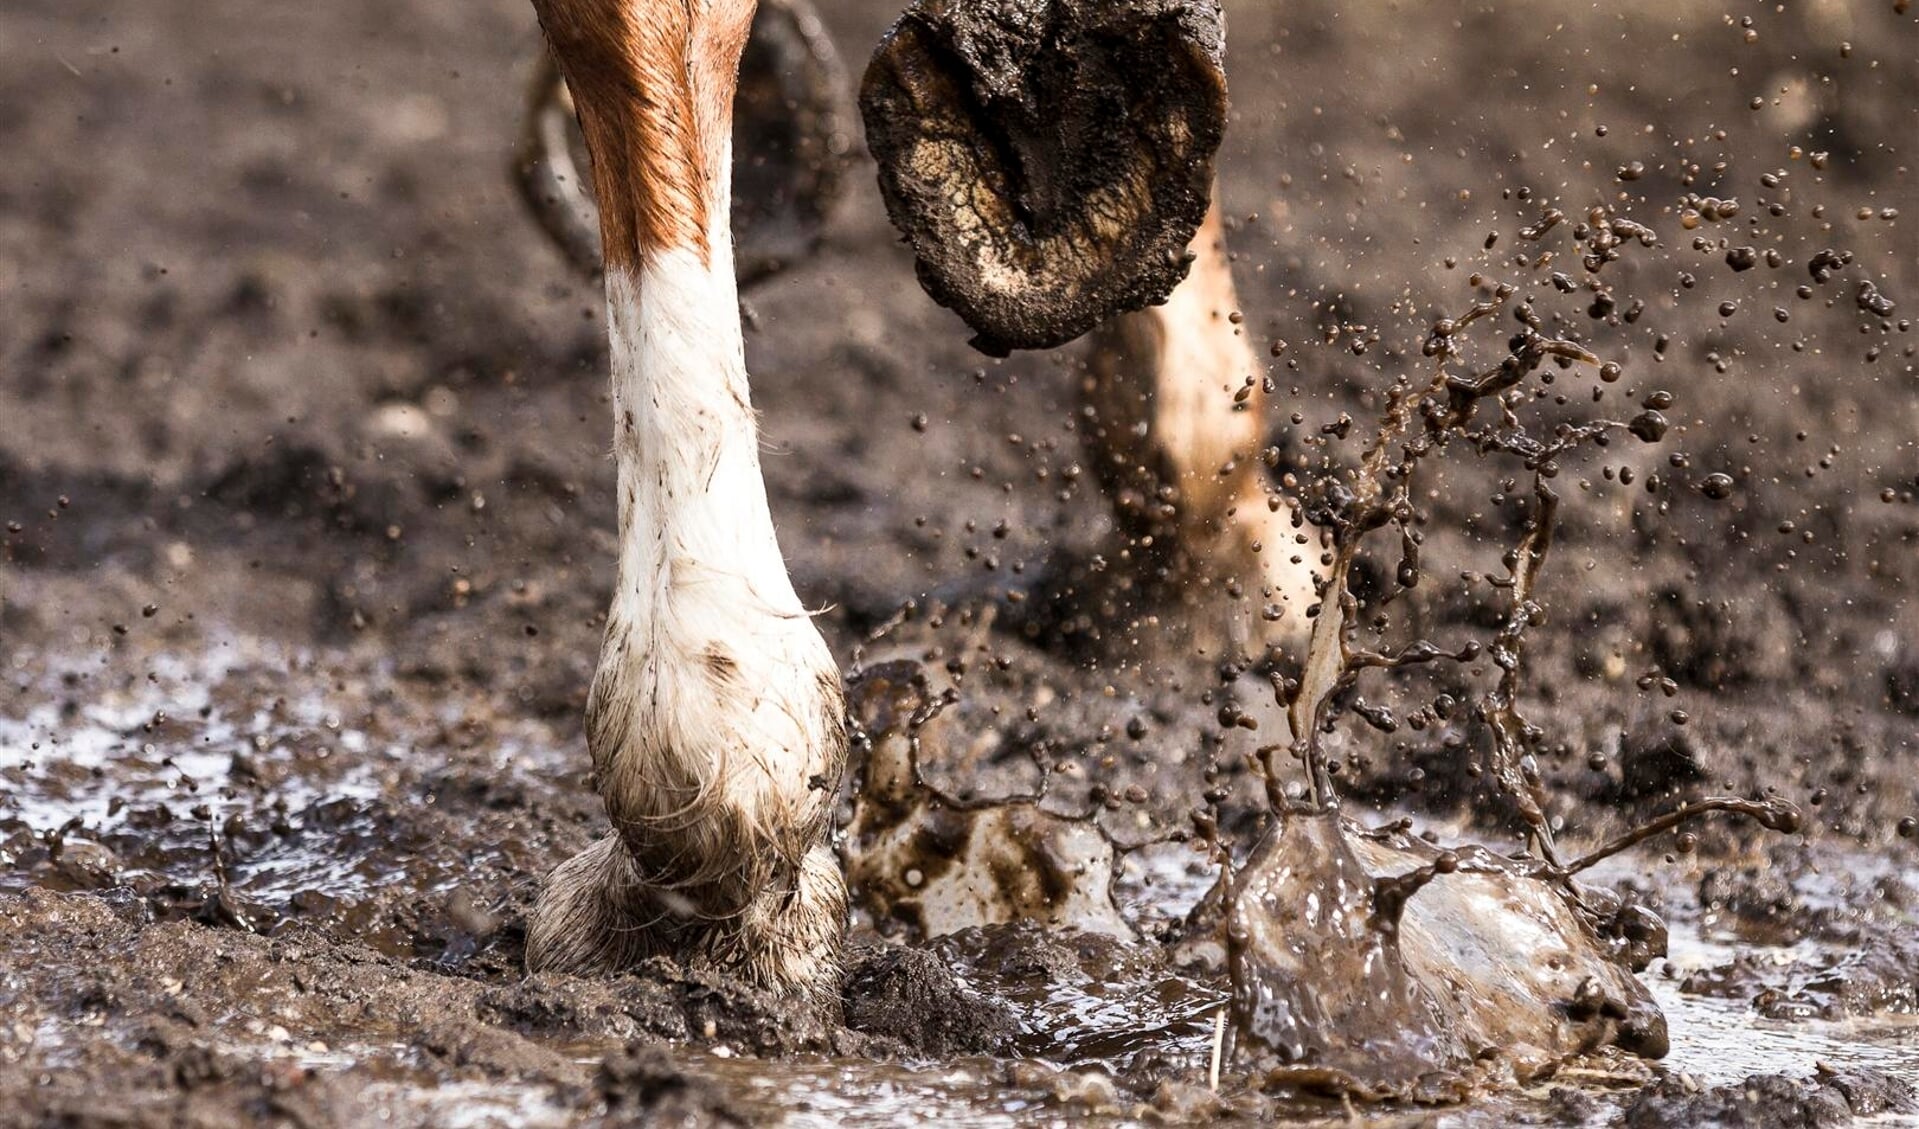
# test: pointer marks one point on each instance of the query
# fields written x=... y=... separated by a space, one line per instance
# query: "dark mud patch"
x=911 y=996
x=1772 y=1101
x=644 y=1084
x=1876 y=975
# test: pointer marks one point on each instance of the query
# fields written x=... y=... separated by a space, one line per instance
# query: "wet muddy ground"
x=308 y=527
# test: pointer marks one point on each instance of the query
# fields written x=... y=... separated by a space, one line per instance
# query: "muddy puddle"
x=92 y=760
x=1084 y=1016
x=225 y=787
x=1721 y=1041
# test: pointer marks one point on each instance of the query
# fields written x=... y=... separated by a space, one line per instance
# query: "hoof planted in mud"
x=1049 y=160
x=1374 y=965
x=596 y=918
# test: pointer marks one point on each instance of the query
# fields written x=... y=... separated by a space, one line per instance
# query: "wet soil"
x=306 y=531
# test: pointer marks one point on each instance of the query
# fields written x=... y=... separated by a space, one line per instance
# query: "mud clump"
x=912 y=996
x=642 y=1085
x=1772 y=1101
x=661 y=1000
x=1048 y=160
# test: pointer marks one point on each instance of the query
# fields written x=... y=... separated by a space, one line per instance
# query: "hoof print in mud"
x=1048 y=160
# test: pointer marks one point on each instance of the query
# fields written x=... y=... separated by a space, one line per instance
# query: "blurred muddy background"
x=308 y=527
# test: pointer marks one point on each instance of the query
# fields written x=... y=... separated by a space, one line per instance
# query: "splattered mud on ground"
x=307 y=530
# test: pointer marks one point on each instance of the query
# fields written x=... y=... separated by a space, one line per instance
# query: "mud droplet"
x=1718 y=487
x=1649 y=425
x=1873 y=302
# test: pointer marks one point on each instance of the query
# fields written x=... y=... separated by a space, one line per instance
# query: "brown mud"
x=305 y=532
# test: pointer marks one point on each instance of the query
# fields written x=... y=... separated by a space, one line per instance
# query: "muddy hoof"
x=596 y=916
x=1049 y=160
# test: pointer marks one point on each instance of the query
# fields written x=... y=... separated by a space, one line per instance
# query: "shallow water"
x=1724 y=1040
x=94 y=752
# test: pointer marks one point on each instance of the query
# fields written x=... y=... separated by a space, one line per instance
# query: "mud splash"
x=935 y=864
x=1410 y=974
x=1347 y=979
x=1336 y=986
x=1357 y=962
